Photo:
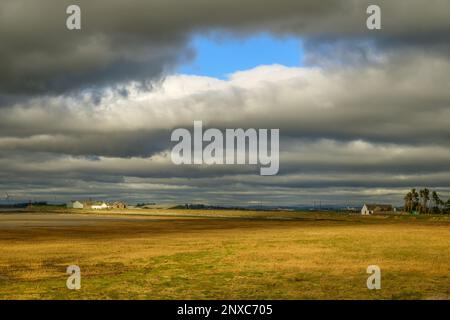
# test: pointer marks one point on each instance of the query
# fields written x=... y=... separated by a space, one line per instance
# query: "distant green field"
x=195 y=254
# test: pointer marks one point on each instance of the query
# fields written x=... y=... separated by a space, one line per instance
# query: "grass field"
x=222 y=255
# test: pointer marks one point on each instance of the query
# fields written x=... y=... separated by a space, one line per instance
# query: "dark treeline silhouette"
x=424 y=201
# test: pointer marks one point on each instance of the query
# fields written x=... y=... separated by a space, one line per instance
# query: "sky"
x=363 y=114
x=219 y=55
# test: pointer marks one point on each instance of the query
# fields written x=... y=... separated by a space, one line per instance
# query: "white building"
x=75 y=205
x=369 y=209
x=101 y=206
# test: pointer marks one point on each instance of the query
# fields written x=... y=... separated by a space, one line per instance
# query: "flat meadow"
x=204 y=254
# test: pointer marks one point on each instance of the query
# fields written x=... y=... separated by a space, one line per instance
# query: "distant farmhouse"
x=100 y=206
x=95 y=205
x=369 y=209
x=75 y=205
x=119 y=205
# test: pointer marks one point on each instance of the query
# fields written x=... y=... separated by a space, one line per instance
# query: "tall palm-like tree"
x=408 y=202
x=421 y=200
x=425 y=199
x=437 y=202
x=415 y=199
x=447 y=207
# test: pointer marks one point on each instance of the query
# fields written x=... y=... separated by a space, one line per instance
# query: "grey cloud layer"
x=141 y=39
x=402 y=101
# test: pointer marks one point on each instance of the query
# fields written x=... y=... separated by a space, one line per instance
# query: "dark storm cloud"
x=142 y=39
x=138 y=143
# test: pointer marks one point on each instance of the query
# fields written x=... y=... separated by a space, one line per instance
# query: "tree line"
x=425 y=201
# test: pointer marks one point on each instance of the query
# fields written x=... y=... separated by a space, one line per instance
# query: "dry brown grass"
x=243 y=255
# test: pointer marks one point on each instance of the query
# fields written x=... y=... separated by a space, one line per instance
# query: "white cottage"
x=75 y=205
x=369 y=209
x=101 y=206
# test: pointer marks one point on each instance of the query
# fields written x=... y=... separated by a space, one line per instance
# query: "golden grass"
x=243 y=255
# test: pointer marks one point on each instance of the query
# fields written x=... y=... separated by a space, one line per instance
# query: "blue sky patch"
x=219 y=55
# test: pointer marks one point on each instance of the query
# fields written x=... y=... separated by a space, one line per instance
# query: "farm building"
x=368 y=209
x=100 y=206
x=119 y=205
x=95 y=205
x=75 y=205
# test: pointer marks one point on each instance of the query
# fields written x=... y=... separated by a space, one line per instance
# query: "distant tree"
x=408 y=202
x=447 y=207
x=437 y=202
x=415 y=199
x=425 y=198
x=421 y=201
